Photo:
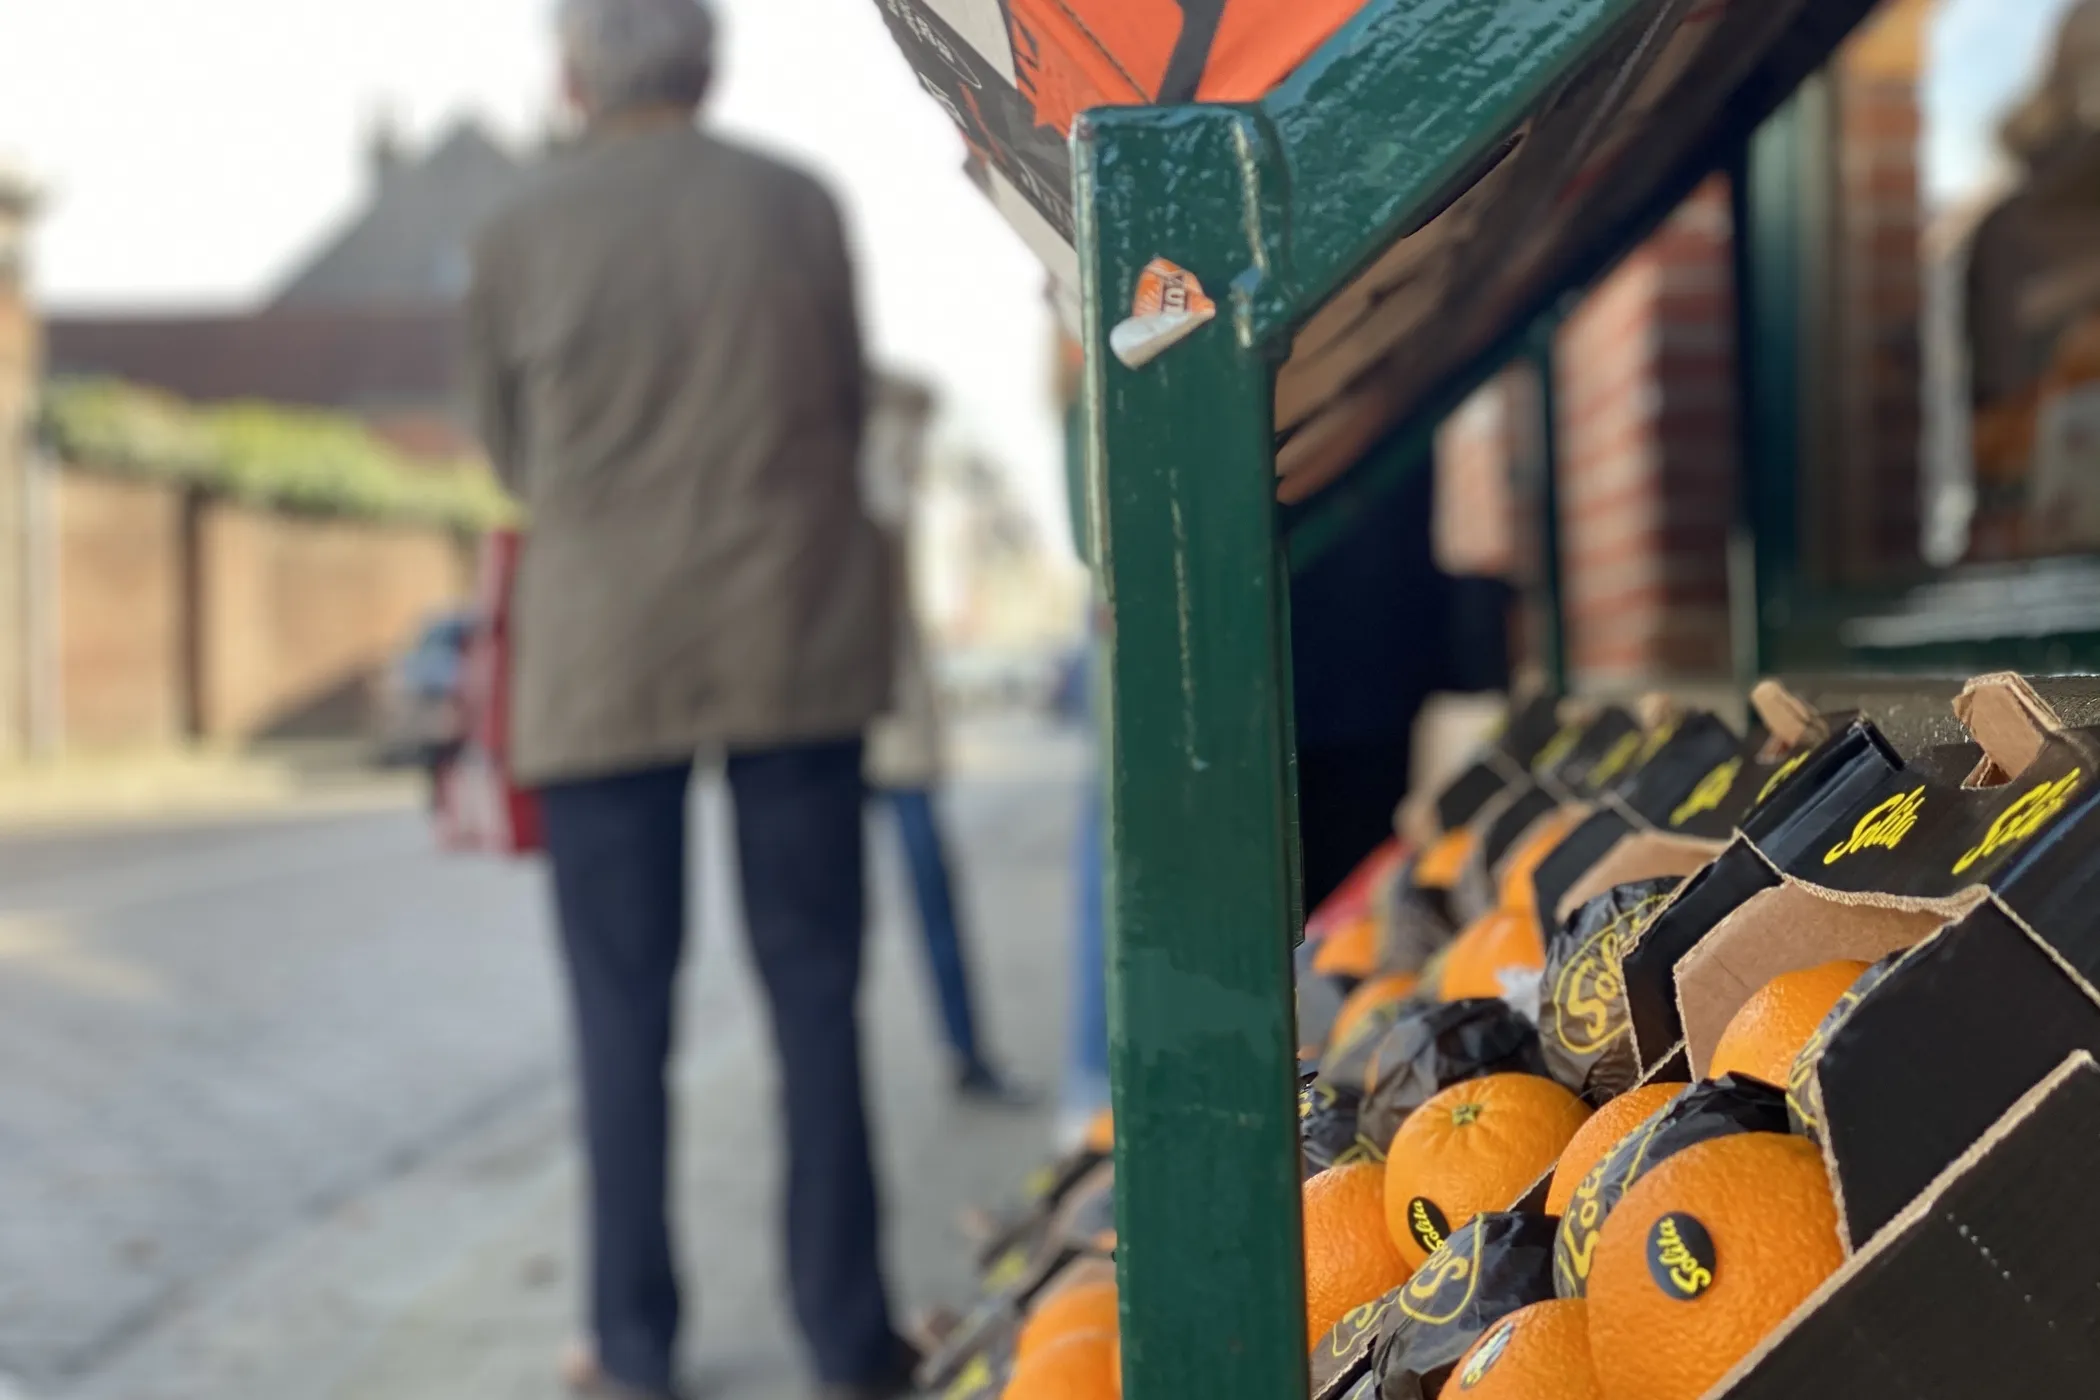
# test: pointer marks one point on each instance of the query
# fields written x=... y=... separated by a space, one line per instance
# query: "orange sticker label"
x=1170 y=304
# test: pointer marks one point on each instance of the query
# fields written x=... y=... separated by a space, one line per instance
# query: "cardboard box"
x=1982 y=1285
x=1591 y=750
x=1979 y=892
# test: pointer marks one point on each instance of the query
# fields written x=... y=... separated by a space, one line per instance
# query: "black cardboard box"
x=1984 y=1285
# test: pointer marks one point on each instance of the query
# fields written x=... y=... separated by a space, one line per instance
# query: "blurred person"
x=904 y=747
x=668 y=365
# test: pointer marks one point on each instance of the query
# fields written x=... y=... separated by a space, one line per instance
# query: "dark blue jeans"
x=618 y=847
x=926 y=855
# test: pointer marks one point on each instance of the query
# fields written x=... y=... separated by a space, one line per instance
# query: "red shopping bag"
x=480 y=807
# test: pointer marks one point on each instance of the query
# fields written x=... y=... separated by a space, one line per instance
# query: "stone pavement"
x=95 y=790
x=452 y=1272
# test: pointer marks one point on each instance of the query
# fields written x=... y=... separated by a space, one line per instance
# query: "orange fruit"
x=1069 y=1312
x=1537 y=1353
x=1082 y=1366
x=1513 y=888
x=1368 y=997
x=1763 y=1037
x=1349 y=1256
x=1080 y=1273
x=1497 y=940
x=1439 y=866
x=1350 y=951
x=1705 y=1255
x=1596 y=1138
x=1475 y=1146
x=1101 y=1133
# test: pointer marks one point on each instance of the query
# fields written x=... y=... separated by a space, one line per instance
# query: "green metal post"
x=1201 y=884
x=1774 y=206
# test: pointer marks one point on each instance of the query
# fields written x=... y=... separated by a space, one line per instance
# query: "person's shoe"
x=584 y=1377
x=984 y=1086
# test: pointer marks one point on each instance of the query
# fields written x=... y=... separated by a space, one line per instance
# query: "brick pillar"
x=1873 y=463
x=1647 y=457
x=19 y=371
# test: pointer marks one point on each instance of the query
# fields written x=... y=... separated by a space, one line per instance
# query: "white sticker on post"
x=1169 y=307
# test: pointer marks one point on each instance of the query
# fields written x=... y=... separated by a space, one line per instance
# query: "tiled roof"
x=409 y=245
x=365 y=361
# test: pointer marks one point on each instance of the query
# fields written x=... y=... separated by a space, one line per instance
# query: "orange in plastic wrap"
x=1349 y=1257
x=1069 y=1312
x=1765 y=1036
x=1476 y=1146
x=1439 y=866
x=1606 y=1128
x=1350 y=951
x=1101 y=1133
x=1537 y=1353
x=1495 y=942
x=1083 y=1366
x=1703 y=1257
x=1514 y=888
x=1379 y=991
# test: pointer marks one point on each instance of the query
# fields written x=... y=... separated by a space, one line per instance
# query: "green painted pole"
x=1773 y=208
x=1202 y=899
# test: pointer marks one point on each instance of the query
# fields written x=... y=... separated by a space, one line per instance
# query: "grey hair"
x=624 y=54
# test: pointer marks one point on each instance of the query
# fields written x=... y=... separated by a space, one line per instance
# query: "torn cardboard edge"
x=1790 y=719
x=1639 y=856
x=2004 y=715
x=2072 y=1084
x=1786 y=928
x=1794 y=924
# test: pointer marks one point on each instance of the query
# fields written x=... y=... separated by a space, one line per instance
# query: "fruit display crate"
x=1271 y=291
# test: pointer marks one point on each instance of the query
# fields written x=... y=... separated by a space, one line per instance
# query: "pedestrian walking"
x=669 y=373
x=904 y=758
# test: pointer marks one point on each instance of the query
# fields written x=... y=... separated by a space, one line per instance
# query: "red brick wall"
x=268 y=626
x=300 y=617
x=120 y=636
x=1872 y=513
x=1647 y=457
x=1648 y=441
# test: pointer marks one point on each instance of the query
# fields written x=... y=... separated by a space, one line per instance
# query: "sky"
x=193 y=152
x=1984 y=53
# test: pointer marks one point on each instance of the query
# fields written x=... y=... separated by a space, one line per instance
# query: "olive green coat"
x=669 y=374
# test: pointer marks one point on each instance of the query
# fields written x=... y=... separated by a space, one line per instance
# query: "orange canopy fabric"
x=1076 y=54
x=1013 y=75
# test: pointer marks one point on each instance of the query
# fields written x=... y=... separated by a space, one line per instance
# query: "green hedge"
x=296 y=460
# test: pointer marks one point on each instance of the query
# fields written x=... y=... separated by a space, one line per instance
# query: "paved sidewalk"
x=456 y=1279
x=193 y=783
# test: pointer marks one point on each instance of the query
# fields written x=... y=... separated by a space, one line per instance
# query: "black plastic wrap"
x=1584 y=1027
x=1713 y=1109
x=1320 y=999
x=1417 y=926
x=1433 y=1046
x=1329 y=1100
x=1491 y=1266
x=1327 y=1133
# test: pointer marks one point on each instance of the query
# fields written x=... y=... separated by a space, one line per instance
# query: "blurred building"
x=1646 y=401
x=993 y=581
x=367 y=323
x=19 y=355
